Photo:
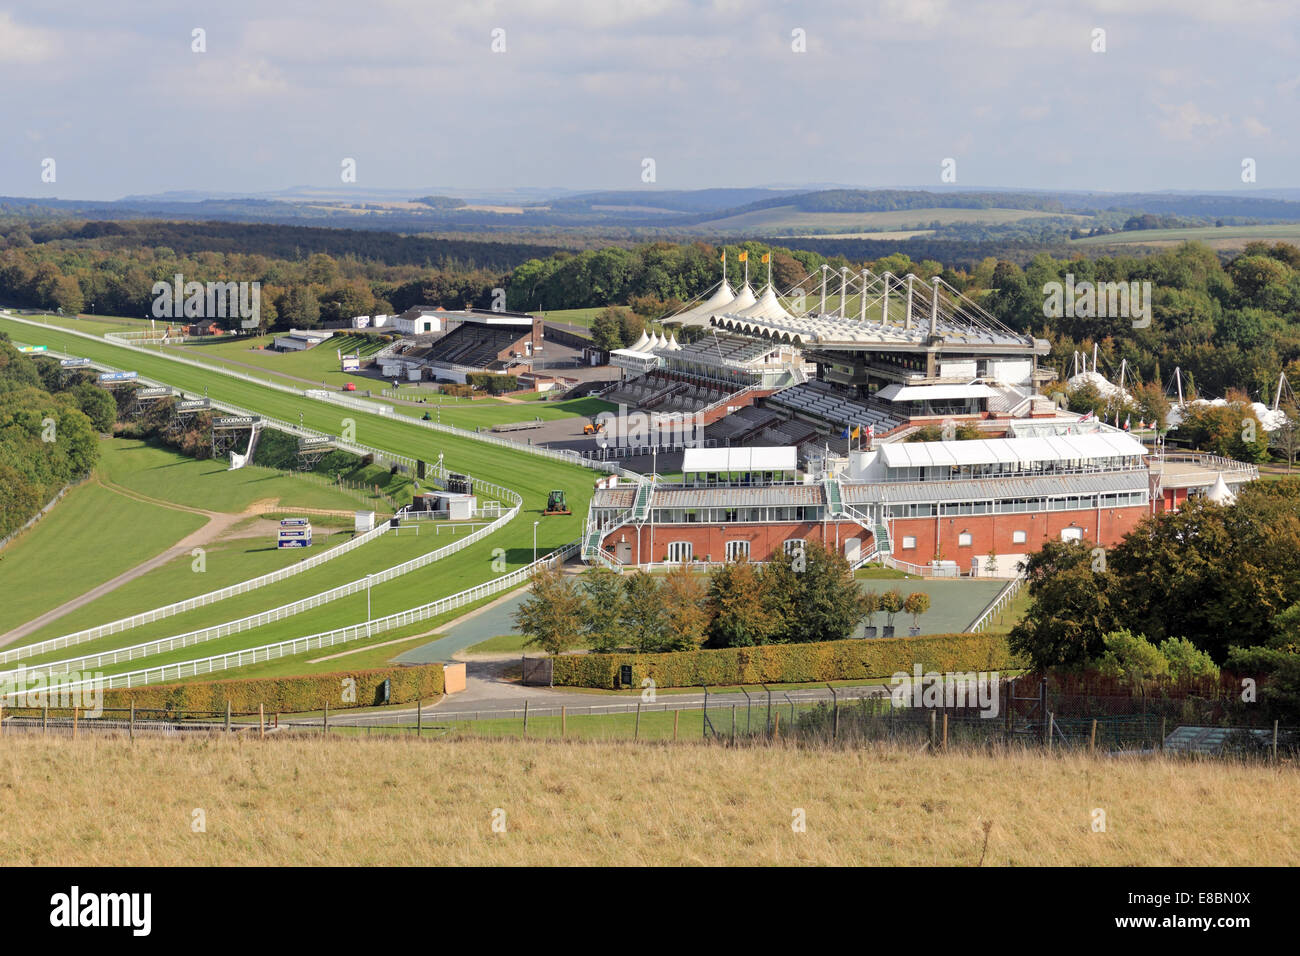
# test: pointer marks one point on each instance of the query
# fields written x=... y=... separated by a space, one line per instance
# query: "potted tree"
x=870 y=605
x=891 y=602
x=917 y=603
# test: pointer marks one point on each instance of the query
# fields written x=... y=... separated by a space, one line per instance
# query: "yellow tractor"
x=593 y=428
x=555 y=505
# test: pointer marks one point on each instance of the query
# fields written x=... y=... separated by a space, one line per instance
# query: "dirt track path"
x=219 y=525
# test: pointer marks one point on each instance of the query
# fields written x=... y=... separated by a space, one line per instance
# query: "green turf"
x=210 y=484
x=90 y=537
x=531 y=476
x=501 y=644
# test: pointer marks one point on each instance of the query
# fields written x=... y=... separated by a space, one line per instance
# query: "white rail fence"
x=997 y=605
x=568 y=457
x=324 y=639
x=202 y=635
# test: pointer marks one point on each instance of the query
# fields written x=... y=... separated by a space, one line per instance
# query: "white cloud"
x=24 y=44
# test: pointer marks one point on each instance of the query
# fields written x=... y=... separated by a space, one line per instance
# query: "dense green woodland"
x=48 y=428
x=1182 y=594
x=1227 y=323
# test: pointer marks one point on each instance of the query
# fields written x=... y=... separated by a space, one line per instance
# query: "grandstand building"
x=481 y=341
x=827 y=404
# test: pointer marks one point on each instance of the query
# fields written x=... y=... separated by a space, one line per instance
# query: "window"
x=737 y=549
x=1071 y=534
x=909 y=542
x=964 y=539
x=1019 y=537
x=679 y=552
x=793 y=544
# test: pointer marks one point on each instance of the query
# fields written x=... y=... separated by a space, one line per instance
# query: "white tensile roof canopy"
x=1011 y=451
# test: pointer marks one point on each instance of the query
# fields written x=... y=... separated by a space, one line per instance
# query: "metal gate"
x=538 y=671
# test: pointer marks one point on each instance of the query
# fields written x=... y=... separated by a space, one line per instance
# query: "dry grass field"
x=106 y=801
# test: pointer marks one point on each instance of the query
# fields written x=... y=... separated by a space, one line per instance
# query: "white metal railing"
x=300 y=645
x=225 y=629
x=1207 y=460
x=998 y=604
x=189 y=604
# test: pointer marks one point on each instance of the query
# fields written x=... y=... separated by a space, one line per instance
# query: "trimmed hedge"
x=285 y=695
x=793 y=663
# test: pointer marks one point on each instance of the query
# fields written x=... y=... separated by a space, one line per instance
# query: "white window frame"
x=1019 y=537
x=734 y=549
x=1072 y=533
x=909 y=542
x=792 y=544
x=965 y=540
x=675 y=547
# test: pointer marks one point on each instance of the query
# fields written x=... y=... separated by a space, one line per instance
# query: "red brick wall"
x=709 y=540
x=993 y=533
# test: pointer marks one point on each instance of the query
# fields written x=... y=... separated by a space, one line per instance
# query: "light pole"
x=535 y=524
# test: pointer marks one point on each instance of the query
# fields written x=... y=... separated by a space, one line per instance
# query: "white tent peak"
x=1221 y=494
x=642 y=343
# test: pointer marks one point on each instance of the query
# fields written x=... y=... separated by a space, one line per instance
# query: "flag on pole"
x=845 y=433
x=744 y=256
x=767 y=257
x=1128 y=422
x=871 y=432
x=1086 y=418
x=857 y=431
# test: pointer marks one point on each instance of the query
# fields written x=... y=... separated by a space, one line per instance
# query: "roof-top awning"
x=929 y=393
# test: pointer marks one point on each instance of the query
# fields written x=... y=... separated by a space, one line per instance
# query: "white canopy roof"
x=722 y=296
x=925 y=393
x=760 y=458
x=1220 y=494
x=642 y=343
x=1010 y=451
x=743 y=300
x=768 y=307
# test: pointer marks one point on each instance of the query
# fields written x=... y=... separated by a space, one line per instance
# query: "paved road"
x=488 y=695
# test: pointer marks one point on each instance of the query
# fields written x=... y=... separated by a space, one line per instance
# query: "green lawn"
x=319 y=364
x=501 y=644
x=508 y=549
x=210 y=484
x=478 y=415
x=90 y=537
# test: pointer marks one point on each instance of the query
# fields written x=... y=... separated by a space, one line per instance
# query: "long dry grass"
x=106 y=801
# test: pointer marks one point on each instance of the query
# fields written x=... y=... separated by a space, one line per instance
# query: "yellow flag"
x=744 y=256
x=767 y=257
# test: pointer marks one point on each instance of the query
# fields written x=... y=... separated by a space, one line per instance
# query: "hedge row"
x=792 y=663
x=286 y=695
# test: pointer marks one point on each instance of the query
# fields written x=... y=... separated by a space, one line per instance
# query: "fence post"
x=945 y=730
x=934 y=716
x=1051 y=729
x=835 y=713
x=1275 y=741
x=678 y=713
x=1092 y=737
x=1162 y=733
x=525 y=716
x=769 y=708
x=75 y=712
x=636 y=731
x=45 y=719
x=261 y=721
x=419 y=717
x=564 y=720
x=132 y=725
x=325 y=723
x=704 y=721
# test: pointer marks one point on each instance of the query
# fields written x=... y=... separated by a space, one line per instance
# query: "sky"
x=579 y=93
